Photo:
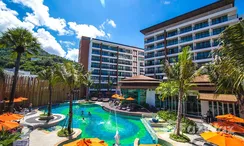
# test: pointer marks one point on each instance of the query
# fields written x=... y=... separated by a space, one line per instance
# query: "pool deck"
x=108 y=108
x=44 y=138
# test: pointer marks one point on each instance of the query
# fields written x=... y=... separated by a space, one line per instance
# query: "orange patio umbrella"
x=228 y=126
x=8 y=125
x=222 y=139
x=22 y=98
x=115 y=96
x=120 y=98
x=230 y=118
x=87 y=142
x=130 y=99
x=15 y=100
x=10 y=117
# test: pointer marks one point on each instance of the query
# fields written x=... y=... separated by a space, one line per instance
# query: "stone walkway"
x=45 y=138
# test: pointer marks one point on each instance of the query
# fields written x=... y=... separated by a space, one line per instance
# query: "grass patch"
x=64 y=132
x=179 y=138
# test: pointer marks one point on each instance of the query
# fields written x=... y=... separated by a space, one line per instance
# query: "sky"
x=59 y=24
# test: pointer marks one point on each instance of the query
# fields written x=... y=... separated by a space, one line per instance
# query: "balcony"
x=149 y=56
x=201 y=26
x=159 y=71
x=159 y=62
x=201 y=36
x=149 y=72
x=197 y=47
x=149 y=64
x=160 y=37
x=149 y=40
x=185 y=30
x=203 y=57
x=158 y=54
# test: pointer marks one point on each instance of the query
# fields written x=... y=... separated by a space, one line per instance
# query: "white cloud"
x=102 y=2
x=166 y=2
x=67 y=43
x=41 y=16
x=49 y=43
x=72 y=54
x=112 y=23
x=109 y=35
x=8 y=19
x=86 y=30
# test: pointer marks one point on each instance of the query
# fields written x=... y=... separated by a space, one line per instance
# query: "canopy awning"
x=217 y=97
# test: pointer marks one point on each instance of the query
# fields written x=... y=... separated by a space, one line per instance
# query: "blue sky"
x=59 y=24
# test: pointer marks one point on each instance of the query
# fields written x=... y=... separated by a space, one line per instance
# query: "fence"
x=35 y=90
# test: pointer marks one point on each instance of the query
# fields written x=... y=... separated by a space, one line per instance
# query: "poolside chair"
x=105 y=99
x=94 y=99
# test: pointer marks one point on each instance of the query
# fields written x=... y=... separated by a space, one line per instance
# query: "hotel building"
x=198 y=29
x=109 y=62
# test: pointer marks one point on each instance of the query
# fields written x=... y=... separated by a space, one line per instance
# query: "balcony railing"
x=149 y=56
x=149 y=72
x=159 y=54
x=202 y=47
x=149 y=64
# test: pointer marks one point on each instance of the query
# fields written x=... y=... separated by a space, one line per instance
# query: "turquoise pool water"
x=102 y=124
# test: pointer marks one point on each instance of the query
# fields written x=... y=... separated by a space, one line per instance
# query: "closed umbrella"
x=228 y=126
x=87 y=142
x=22 y=98
x=230 y=118
x=222 y=139
x=8 y=125
x=10 y=117
x=15 y=100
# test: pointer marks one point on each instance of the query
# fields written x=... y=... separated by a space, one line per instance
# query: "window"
x=202 y=35
x=150 y=47
x=173 y=50
x=96 y=45
x=96 y=72
x=161 y=36
x=215 y=42
x=159 y=70
x=140 y=58
x=95 y=65
x=134 y=59
x=203 y=55
x=96 y=52
x=149 y=55
x=188 y=45
x=150 y=71
x=141 y=53
x=185 y=29
x=231 y=108
x=204 y=44
x=95 y=58
x=219 y=19
x=186 y=38
x=159 y=61
x=159 y=53
x=125 y=62
x=172 y=42
x=218 y=30
x=124 y=50
x=201 y=25
x=172 y=33
x=220 y=108
x=160 y=45
x=225 y=108
x=141 y=64
x=149 y=62
x=149 y=40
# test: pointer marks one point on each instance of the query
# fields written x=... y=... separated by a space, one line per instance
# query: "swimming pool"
x=102 y=124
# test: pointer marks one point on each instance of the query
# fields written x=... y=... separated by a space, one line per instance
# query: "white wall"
x=204 y=107
x=150 y=97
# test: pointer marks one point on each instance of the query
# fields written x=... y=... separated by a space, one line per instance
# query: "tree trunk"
x=179 y=113
x=15 y=78
x=70 y=111
x=241 y=104
x=50 y=100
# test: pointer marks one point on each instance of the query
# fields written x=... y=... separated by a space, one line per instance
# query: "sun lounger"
x=105 y=99
x=94 y=99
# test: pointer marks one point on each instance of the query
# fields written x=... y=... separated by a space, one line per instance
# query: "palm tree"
x=88 y=84
x=21 y=41
x=49 y=74
x=180 y=76
x=69 y=75
x=227 y=70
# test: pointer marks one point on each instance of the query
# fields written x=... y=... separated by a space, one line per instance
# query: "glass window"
x=204 y=55
x=96 y=52
x=172 y=42
x=220 y=108
x=201 y=25
x=202 y=34
x=215 y=108
x=173 y=50
x=96 y=45
x=204 y=44
x=237 y=110
x=160 y=45
x=173 y=59
x=218 y=30
x=219 y=19
x=141 y=53
x=186 y=29
x=95 y=58
x=186 y=38
x=172 y=33
x=225 y=108
x=231 y=108
x=161 y=36
x=149 y=40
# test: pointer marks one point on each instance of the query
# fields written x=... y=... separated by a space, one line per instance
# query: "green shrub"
x=167 y=115
x=64 y=132
x=188 y=126
x=179 y=138
x=7 y=138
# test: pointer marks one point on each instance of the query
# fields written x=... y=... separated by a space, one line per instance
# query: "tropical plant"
x=227 y=70
x=7 y=138
x=2 y=75
x=88 y=84
x=20 y=41
x=68 y=73
x=49 y=74
x=180 y=76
